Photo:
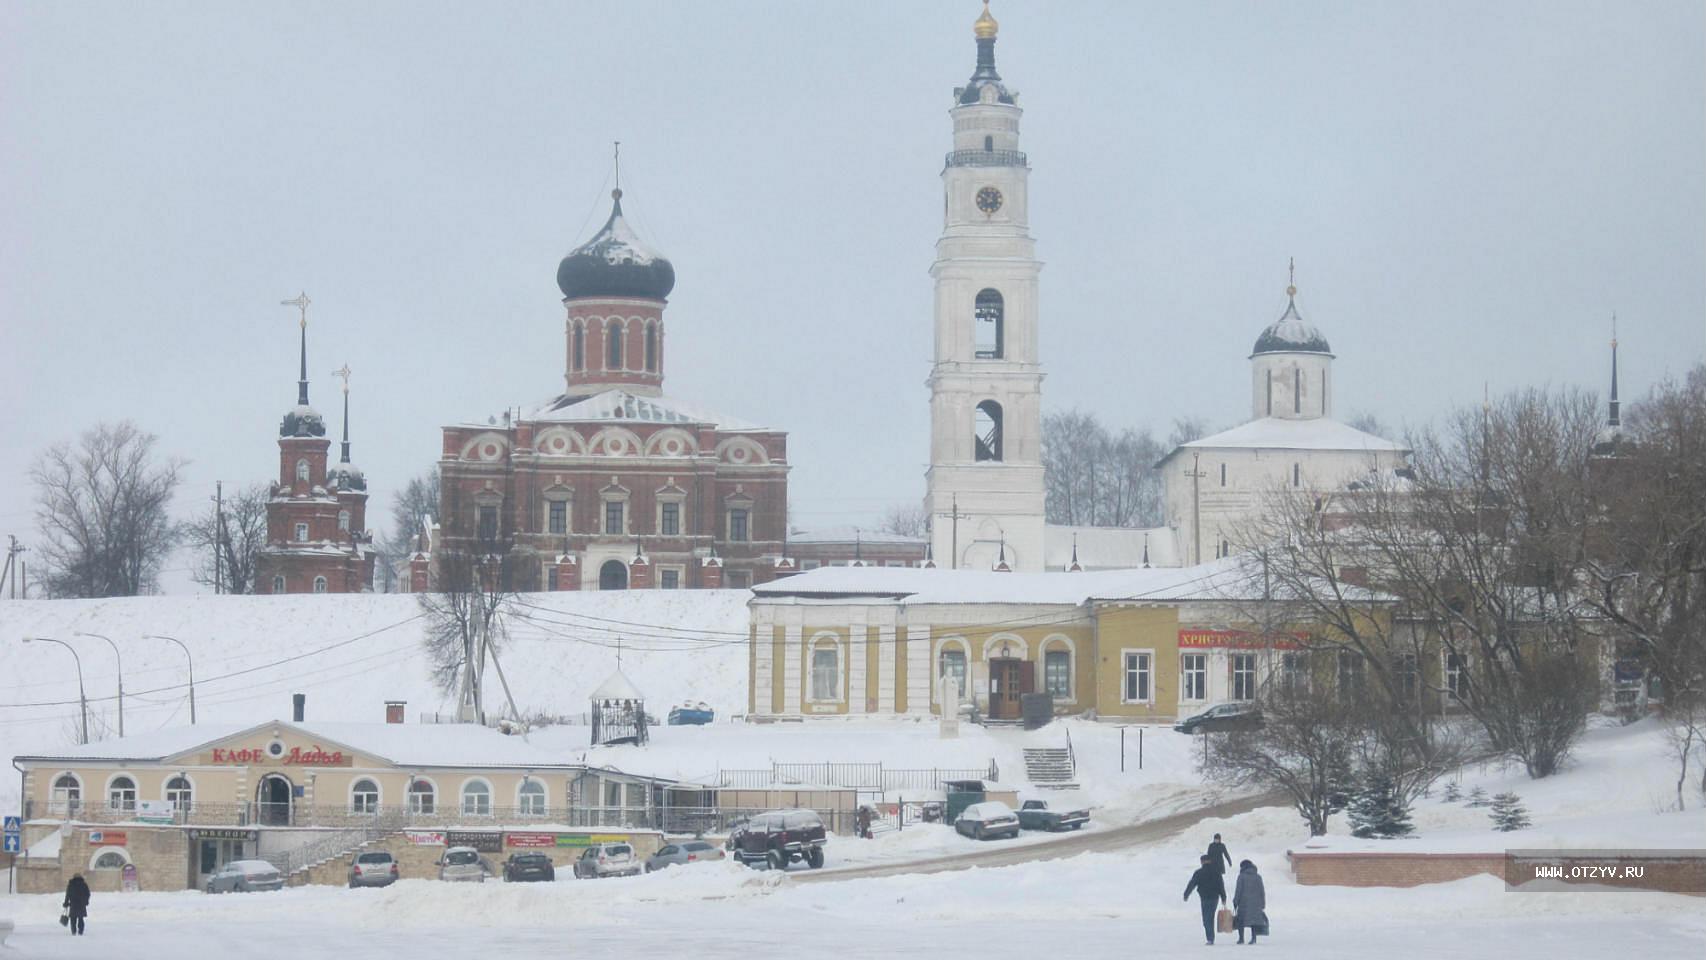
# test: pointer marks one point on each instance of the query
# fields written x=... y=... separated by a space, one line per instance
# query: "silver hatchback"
x=243 y=876
x=373 y=868
x=463 y=864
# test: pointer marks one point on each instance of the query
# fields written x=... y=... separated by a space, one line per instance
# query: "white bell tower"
x=986 y=476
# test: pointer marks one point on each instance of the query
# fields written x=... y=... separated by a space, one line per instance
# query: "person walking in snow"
x=1211 y=889
x=1217 y=853
x=1249 y=902
x=77 y=903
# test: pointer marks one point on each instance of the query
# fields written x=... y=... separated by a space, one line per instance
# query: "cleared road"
x=994 y=854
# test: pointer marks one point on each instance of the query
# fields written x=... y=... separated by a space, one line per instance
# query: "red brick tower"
x=614 y=288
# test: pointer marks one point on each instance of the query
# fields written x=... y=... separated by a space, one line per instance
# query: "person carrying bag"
x=76 y=906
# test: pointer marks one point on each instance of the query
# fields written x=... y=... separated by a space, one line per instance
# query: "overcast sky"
x=1470 y=190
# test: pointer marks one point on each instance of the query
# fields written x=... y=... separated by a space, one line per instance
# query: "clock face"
x=989 y=200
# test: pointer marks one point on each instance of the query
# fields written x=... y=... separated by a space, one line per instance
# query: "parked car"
x=1036 y=815
x=1226 y=716
x=607 y=860
x=526 y=867
x=243 y=876
x=991 y=818
x=780 y=837
x=463 y=865
x=675 y=854
x=691 y=714
x=373 y=868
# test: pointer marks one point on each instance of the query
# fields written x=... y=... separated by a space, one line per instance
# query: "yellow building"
x=1146 y=644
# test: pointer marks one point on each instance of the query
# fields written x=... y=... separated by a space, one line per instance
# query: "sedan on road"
x=243 y=876
x=1226 y=716
x=676 y=854
x=991 y=818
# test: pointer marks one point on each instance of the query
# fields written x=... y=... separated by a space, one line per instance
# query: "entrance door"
x=272 y=801
x=1007 y=680
x=613 y=575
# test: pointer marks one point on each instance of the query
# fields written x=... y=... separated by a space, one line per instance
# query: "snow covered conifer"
x=1508 y=813
x=1452 y=792
x=1478 y=798
x=1378 y=811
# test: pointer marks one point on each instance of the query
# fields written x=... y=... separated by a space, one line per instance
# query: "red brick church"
x=317 y=538
x=611 y=484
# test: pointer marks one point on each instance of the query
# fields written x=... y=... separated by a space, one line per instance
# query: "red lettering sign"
x=1241 y=639
x=531 y=839
x=312 y=757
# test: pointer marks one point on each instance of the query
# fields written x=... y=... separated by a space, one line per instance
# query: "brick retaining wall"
x=1390 y=869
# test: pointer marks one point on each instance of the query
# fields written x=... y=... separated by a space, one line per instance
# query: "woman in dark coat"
x=77 y=902
x=1249 y=902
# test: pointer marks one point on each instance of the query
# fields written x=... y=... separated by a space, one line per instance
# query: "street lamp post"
x=82 y=699
x=191 y=659
x=120 y=659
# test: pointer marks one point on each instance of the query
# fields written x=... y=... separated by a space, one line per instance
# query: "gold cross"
x=301 y=303
x=343 y=372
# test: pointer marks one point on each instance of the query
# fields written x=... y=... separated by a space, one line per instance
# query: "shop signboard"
x=425 y=838
x=155 y=811
x=1240 y=640
x=130 y=884
x=485 y=841
x=107 y=838
x=588 y=839
x=224 y=833
x=530 y=839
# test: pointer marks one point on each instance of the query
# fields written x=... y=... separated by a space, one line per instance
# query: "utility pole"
x=1196 y=476
x=218 y=536
x=10 y=573
x=955 y=516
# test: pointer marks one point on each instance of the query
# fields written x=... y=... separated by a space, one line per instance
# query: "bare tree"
x=907 y=520
x=1369 y=423
x=465 y=614
x=101 y=507
x=1303 y=748
x=1094 y=478
x=415 y=503
x=234 y=533
x=1186 y=429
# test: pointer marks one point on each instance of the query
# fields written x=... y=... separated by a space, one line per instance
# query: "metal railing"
x=985 y=158
x=868 y=777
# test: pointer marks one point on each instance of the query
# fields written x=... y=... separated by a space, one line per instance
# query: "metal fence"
x=866 y=777
x=701 y=821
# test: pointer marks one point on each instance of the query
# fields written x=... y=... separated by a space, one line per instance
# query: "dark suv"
x=779 y=838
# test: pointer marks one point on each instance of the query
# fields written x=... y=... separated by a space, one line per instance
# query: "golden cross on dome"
x=1291 y=276
x=301 y=303
x=343 y=373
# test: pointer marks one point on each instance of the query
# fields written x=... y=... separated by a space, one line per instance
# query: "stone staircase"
x=1051 y=768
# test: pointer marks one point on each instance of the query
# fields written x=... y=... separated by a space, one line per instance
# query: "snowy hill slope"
x=348 y=653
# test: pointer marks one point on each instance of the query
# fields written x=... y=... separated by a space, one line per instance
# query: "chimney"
x=394 y=711
x=298 y=706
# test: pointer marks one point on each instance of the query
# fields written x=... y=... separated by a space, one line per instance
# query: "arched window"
x=579 y=346
x=613 y=345
x=1223 y=474
x=825 y=669
x=364 y=796
x=530 y=800
x=110 y=858
x=180 y=794
x=986 y=425
x=422 y=796
x=1270 y=393
x=343 y=520
x=988 y=144
x=121 y=794
x=989 y=325
x=67 y=794
x=651 y=348
x=476 y=799
x=613 y=575
x=302 y=471
x=1297 y=474
x=953 y=664
x=1296 y=390
x=319 y=584
x=278 y=584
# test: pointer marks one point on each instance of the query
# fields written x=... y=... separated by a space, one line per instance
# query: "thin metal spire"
x=301 y=303
x=1616 y=418
x=1291 y=277
x=343 y=373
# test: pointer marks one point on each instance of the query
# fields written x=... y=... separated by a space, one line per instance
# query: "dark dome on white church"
x=1290 y=333
x=614 y=263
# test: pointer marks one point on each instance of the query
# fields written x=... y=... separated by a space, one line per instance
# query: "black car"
x=523 y=867
x=779 y=838
x=1226 y=716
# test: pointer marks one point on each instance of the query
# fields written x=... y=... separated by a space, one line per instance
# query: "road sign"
x=14 y=843
x=14 y=824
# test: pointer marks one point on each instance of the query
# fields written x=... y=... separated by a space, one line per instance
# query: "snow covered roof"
x=1291 y=334
x=1274 y=433
x=617 y=686
x=847 y=534
x=1227 y=579
x=615 y=263
x=620 y=405
x=1108 y=548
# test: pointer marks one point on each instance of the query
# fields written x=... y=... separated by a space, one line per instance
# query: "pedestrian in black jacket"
x=77 y=902
x=1250 y=902
x=1211 y=890
x=1217 y=853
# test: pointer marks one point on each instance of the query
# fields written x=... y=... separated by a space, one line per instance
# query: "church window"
x=302 y=471
x=989 y=321
x=580 y=347
x=738 y=519
x=277 y=584
x=1297 y=474
x=343 y=520
x=1057 y=674
x=669 y=578
x=487 y=527
x=319 y=584
x=613 y=346
x=1223 y=474
x=1323 y=393
x=651 y=348
x=1270 y=393
x=739 y=579
x=613 y=516
x=301 y=532
x=987 y=429
x=988 y=144
x=669 y=519
x=1296 y=390
x=826 y=669
x=557 y=520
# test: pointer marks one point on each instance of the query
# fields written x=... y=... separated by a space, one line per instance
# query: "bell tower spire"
x=986 y=478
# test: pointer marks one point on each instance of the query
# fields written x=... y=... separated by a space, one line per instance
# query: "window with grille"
x=613 y=516
x=669 y=519
x=825 y=674
x=1193 y=676
x=737 y=525
x=557 y=519
x=301 y=532
x=1057 y=674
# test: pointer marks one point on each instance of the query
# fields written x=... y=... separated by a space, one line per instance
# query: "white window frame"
x=568 y=515
x=825 y=642
x=462 y=797
x=58 y=797
x=411 y=800
x=355 y=803
x=321 y=584
x=302 y=533
x=343 y=520
x=680 y=577
x=1254 y=674
x=1146 y=671
x=1186 y=675
x=1055 y=643
x=745 y=510
x=166 y=791
x=522 y=791
x=605 y=500
x=134 y=793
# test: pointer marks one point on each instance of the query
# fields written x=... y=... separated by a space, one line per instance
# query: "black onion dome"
x=346 y=476
x=614 y=263
x=302 y=421
x=1290 y=334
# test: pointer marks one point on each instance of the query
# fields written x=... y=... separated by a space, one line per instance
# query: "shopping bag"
x=65 y=916
x=1223 y=921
